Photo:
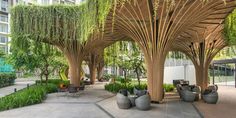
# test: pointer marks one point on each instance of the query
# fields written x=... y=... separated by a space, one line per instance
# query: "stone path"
x=95 y=102
x=226 y=106
x=19 y=84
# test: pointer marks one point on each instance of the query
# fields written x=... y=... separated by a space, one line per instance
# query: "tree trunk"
x=155 y=74
x=46 y=73
x=92 y=70
x=75 y=72
x=202 y=76
x=100 y=70
x=137 y=73
x=125 y=78
x=41 y=78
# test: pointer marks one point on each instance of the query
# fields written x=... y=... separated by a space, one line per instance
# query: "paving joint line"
x=111 y=116
x=198 y=111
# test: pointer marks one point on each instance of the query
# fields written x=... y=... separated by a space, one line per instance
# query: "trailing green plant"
x=7 y=79
x=79 y=21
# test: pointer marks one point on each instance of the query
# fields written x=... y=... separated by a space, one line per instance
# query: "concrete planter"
x=211 y=98
x=123 y=102
x=143 y=102
x=188 y=96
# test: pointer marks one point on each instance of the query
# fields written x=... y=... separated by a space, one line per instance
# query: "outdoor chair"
x=178 y=87
x=143 y=102
x=123 y=101
x=188 y=96
x=188 y=93
x=72 y=89
x=210 y=96
x=213 y=87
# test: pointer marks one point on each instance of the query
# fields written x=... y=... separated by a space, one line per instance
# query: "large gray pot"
x=197 y=90
x=188 y=96
x=123 y=102
x=211 y=98
x=143 y=102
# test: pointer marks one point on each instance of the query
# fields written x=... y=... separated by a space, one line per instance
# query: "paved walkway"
x=226 y=106
x=95 y=102
x=19 y=84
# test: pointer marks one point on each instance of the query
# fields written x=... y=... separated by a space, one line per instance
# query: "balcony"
x=3 y=22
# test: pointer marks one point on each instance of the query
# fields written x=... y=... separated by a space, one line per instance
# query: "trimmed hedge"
x=115 y=87
x=56 y=82
x=33 y=95
x=168 y=87
x=7 y=79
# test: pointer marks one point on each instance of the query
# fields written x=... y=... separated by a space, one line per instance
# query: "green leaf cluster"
x=55 y=23
x=7 y=79
x=230 y=29
x=33 y=95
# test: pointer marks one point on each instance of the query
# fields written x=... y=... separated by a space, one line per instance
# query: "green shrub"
x=56 y=82
x=115 y=87
x=7 y=79
x=33 y=95
x=107 y=77
x=122 y=79
x=51 y=88
x=168 y=87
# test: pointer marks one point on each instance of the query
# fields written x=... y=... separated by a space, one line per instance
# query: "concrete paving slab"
x=18 y=85
x=95 y=102
x=169 y=109
x=58 y=110
x=226 y=106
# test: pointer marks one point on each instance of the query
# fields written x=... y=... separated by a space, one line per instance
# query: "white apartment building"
x=4 y=25
x=5 y=6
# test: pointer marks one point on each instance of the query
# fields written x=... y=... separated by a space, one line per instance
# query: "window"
x=3 y=48
x=3 y=28
x=3 y=18
x=3 y=39
x=4 y=5
x=45 y=2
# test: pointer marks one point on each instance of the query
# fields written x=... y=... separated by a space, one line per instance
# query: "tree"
x=136 y=61
x=35 y=56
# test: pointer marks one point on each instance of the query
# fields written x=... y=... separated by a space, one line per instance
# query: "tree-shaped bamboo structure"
x=66 y=27
x=201 y=47
x=155 y=24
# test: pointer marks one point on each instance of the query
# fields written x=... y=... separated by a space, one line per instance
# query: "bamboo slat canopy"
x=156 y=24
x=201 y=47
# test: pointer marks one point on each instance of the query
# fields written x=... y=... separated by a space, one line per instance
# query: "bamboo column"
x=201 y=49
